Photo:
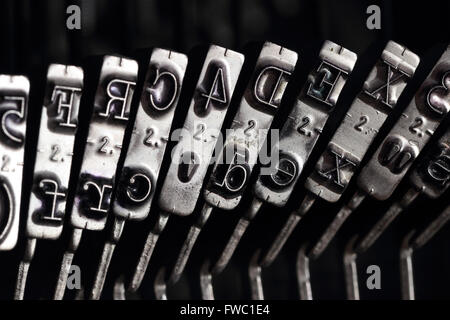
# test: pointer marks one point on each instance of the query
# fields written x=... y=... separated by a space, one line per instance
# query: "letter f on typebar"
x=58 y=126
x=192 y=154
x=101 y=155
x=14 y=92
x=135 y=188
x=244 y=140
x=298 y=137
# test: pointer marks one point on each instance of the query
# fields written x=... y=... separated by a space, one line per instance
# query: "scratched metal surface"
x=31 y=41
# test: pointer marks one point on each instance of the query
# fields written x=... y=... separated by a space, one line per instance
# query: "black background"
x=34 y=34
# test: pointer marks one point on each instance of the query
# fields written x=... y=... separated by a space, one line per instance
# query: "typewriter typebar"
x=362 y=122
x=386 y=92
x=248 y=131
x=150 y=134
x=299 y=134
x=104 y=142
x=410 y=134
x=432 y=175
x=193 y=152
x=59 y=123
x=350 y=142
x=14 y=92
x=233 y=167
x=429 y=107
x=305 y=122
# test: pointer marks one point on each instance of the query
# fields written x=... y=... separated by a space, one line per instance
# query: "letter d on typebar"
x=248 y=131
x=14 y=92
x=298 y=136
x=235 y=162
x=305 y=122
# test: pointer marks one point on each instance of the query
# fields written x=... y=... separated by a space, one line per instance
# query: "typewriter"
x=224 y=150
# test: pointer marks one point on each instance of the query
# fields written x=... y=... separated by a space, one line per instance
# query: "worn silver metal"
x=254 y=274
x=412 y=131
x=58 y=126
x=248 y=130
x=303 y=275
x=135 y=189
x=400 y=148
x=298 y=136
x=351 y=271
x=406 y=268
x=306 y=121
x=192 y=154
x=104 y=142
x=14 y=91
x=244 y=139
x=362 y=122
x=112 y=104
x=432 y=174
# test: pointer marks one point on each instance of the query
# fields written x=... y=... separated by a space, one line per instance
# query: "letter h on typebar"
x=104 y=142
x=58 y=126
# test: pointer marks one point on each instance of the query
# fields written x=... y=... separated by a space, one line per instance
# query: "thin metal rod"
x=432 y=229
x=66 y=263
x=406 y=268
x=119 y=289
x=303 y=275
x=351 y=271
x=337 y=223
x=382 y=224
x=254 y=273
x=236 y=237
x=287 y=229
x=160 y=285
x=24 y=267
x=147 y=252
x=189 y=243
x=206 y=282
x=105 y=260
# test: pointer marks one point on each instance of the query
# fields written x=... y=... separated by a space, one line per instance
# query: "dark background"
x=33 y=34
